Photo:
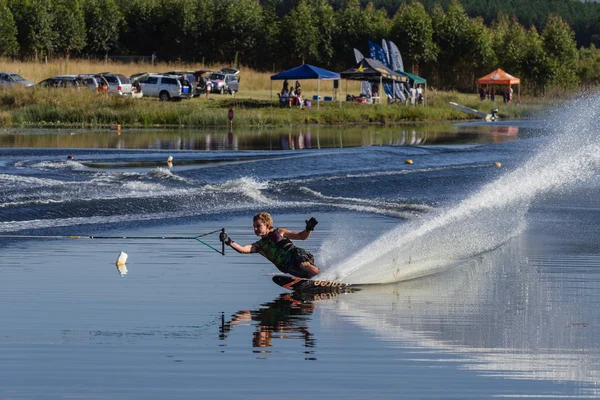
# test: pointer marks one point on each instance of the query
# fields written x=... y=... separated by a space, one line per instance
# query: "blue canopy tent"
x=306 y=71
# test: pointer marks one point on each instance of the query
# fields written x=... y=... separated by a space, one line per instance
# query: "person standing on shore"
x=208 y=88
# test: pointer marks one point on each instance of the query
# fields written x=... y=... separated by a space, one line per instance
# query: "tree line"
x=440 y=41
x=582 y=16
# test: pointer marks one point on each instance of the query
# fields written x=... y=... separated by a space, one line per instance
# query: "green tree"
x=559 y=43
x=479 y=55
x=451 y=33
x=175 y=28
x=9 y=46
x=595 y=37
x=42 y=36
x=588 y=67
x=205 y=22
x=69 y=26
x=353 y=32
x=500 y=32
x=301 y=34
x=237 y=31
x=377 y=23
x=513 y=52
x=271 y=46
x=327 y=25
x=537 y=69
x=139 y=31
x=35 y=26
x=466 y=47
x=103 y=20
x=412 y=31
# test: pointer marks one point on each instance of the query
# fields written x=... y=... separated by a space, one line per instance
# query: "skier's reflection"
x=286 y=317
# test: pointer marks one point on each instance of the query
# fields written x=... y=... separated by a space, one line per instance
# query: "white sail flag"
x=365 y=86
x=384 y=46
x=395 y=57
x=393 y=65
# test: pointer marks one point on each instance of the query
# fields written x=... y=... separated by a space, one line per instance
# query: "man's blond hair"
x=265 y=218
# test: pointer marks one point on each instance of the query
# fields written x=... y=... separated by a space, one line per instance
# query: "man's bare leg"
x=310 y=269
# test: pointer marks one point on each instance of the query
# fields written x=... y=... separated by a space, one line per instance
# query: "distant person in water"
x=276 y=245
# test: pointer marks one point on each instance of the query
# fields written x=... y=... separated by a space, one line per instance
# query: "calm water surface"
x=484 y=280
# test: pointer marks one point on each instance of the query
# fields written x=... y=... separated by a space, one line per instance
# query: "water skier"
x=276 y=245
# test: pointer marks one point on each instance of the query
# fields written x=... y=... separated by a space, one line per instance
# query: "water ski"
x=312 y=286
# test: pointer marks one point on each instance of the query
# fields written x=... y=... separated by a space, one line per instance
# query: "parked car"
x=165 y=87
x=187 y=79
x=63 y=81
x=201 y=77
x=117 y=83
x=225 y=80
x=139 y=74
x=90 y=81
x=9 y=79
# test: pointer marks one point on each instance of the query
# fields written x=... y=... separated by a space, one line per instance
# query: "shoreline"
x=52 y=108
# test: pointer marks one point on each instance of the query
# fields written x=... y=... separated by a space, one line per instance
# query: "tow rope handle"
x=223 y=243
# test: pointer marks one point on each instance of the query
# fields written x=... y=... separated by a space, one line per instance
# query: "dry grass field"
x=253 y=84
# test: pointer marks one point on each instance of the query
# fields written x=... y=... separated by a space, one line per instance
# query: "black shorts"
x=297 y=257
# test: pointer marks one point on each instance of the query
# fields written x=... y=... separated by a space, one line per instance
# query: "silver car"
x=9 y=79
x=63 y=81
x=225 y=81
x=117 y=84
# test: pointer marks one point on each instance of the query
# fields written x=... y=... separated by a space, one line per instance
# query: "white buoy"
x=122 y=259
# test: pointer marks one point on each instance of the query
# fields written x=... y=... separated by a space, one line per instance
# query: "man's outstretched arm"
x=302 y=235
x=249 y=248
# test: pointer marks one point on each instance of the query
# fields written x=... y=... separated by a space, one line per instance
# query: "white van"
x=165 y=87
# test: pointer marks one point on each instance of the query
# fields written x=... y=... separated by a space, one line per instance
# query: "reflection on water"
x=122 y=269
x=495 y=311
x=286 y=317
x=313 y=137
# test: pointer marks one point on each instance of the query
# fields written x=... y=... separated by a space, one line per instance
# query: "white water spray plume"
x=568 y=157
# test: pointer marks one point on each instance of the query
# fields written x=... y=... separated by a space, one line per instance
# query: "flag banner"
x=378 y=54
x=365 y=86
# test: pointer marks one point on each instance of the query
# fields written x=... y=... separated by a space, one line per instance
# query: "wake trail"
x=488 y=217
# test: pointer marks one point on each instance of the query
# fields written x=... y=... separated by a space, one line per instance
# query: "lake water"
x=485 y=276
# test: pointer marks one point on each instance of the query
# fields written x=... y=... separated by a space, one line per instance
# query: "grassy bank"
x=252 y=105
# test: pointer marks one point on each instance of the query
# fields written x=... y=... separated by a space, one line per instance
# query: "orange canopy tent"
x=500 y=77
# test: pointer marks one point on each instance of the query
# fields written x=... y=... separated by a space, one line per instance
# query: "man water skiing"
x=276 y=245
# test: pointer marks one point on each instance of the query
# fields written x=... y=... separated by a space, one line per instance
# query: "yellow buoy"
x=497 y=164
x=408 y=162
